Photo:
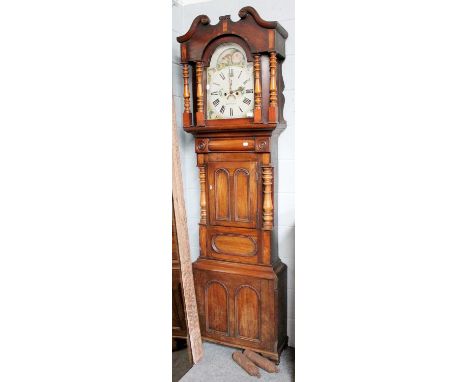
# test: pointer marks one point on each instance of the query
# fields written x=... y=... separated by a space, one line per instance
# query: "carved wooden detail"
x=201 y=145
x=232 y=193
x=199 y=71
x=201 y=33
x=246 y=144
x=202 y=194
x=272 y=111
x=262 y=144
x=222 y=194
x=257 y=90
x=247 y=306
x=200 y=112
x=241 y=195
x=263 y=23
x=234 y=244
x=273 y=89
x=267 y=175
x=217 y=307
x=202 y=19
x=187 y=118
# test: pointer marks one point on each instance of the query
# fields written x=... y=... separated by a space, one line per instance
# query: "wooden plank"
x=188 y=287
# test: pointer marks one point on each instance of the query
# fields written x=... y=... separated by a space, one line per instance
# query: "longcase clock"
x=232 y=72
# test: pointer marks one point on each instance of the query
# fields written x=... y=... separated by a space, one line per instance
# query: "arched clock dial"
x=230 y=84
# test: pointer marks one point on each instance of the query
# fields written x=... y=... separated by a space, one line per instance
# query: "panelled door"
x=232 y=190
x=235 y=308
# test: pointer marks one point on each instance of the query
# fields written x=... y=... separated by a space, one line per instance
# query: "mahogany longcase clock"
x=237 y=88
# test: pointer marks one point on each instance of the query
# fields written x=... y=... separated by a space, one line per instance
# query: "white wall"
x=282 y=11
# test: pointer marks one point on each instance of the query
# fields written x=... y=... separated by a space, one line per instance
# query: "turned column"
x=257 y=91
x=187 y=116
x=267 y=177
x=202 y=195
x=273 y=107
x=199 y=76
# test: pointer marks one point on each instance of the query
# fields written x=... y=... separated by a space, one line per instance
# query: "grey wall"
x=282 y=11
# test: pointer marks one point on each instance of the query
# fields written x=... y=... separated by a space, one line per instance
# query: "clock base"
x=242 y=305
x=275 y=356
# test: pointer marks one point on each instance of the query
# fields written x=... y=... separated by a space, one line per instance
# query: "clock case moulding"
x=240 y=280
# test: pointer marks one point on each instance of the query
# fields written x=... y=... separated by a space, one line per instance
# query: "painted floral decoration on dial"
x=230 y=84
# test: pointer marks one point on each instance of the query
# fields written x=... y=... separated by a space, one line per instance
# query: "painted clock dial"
x=230 y=83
